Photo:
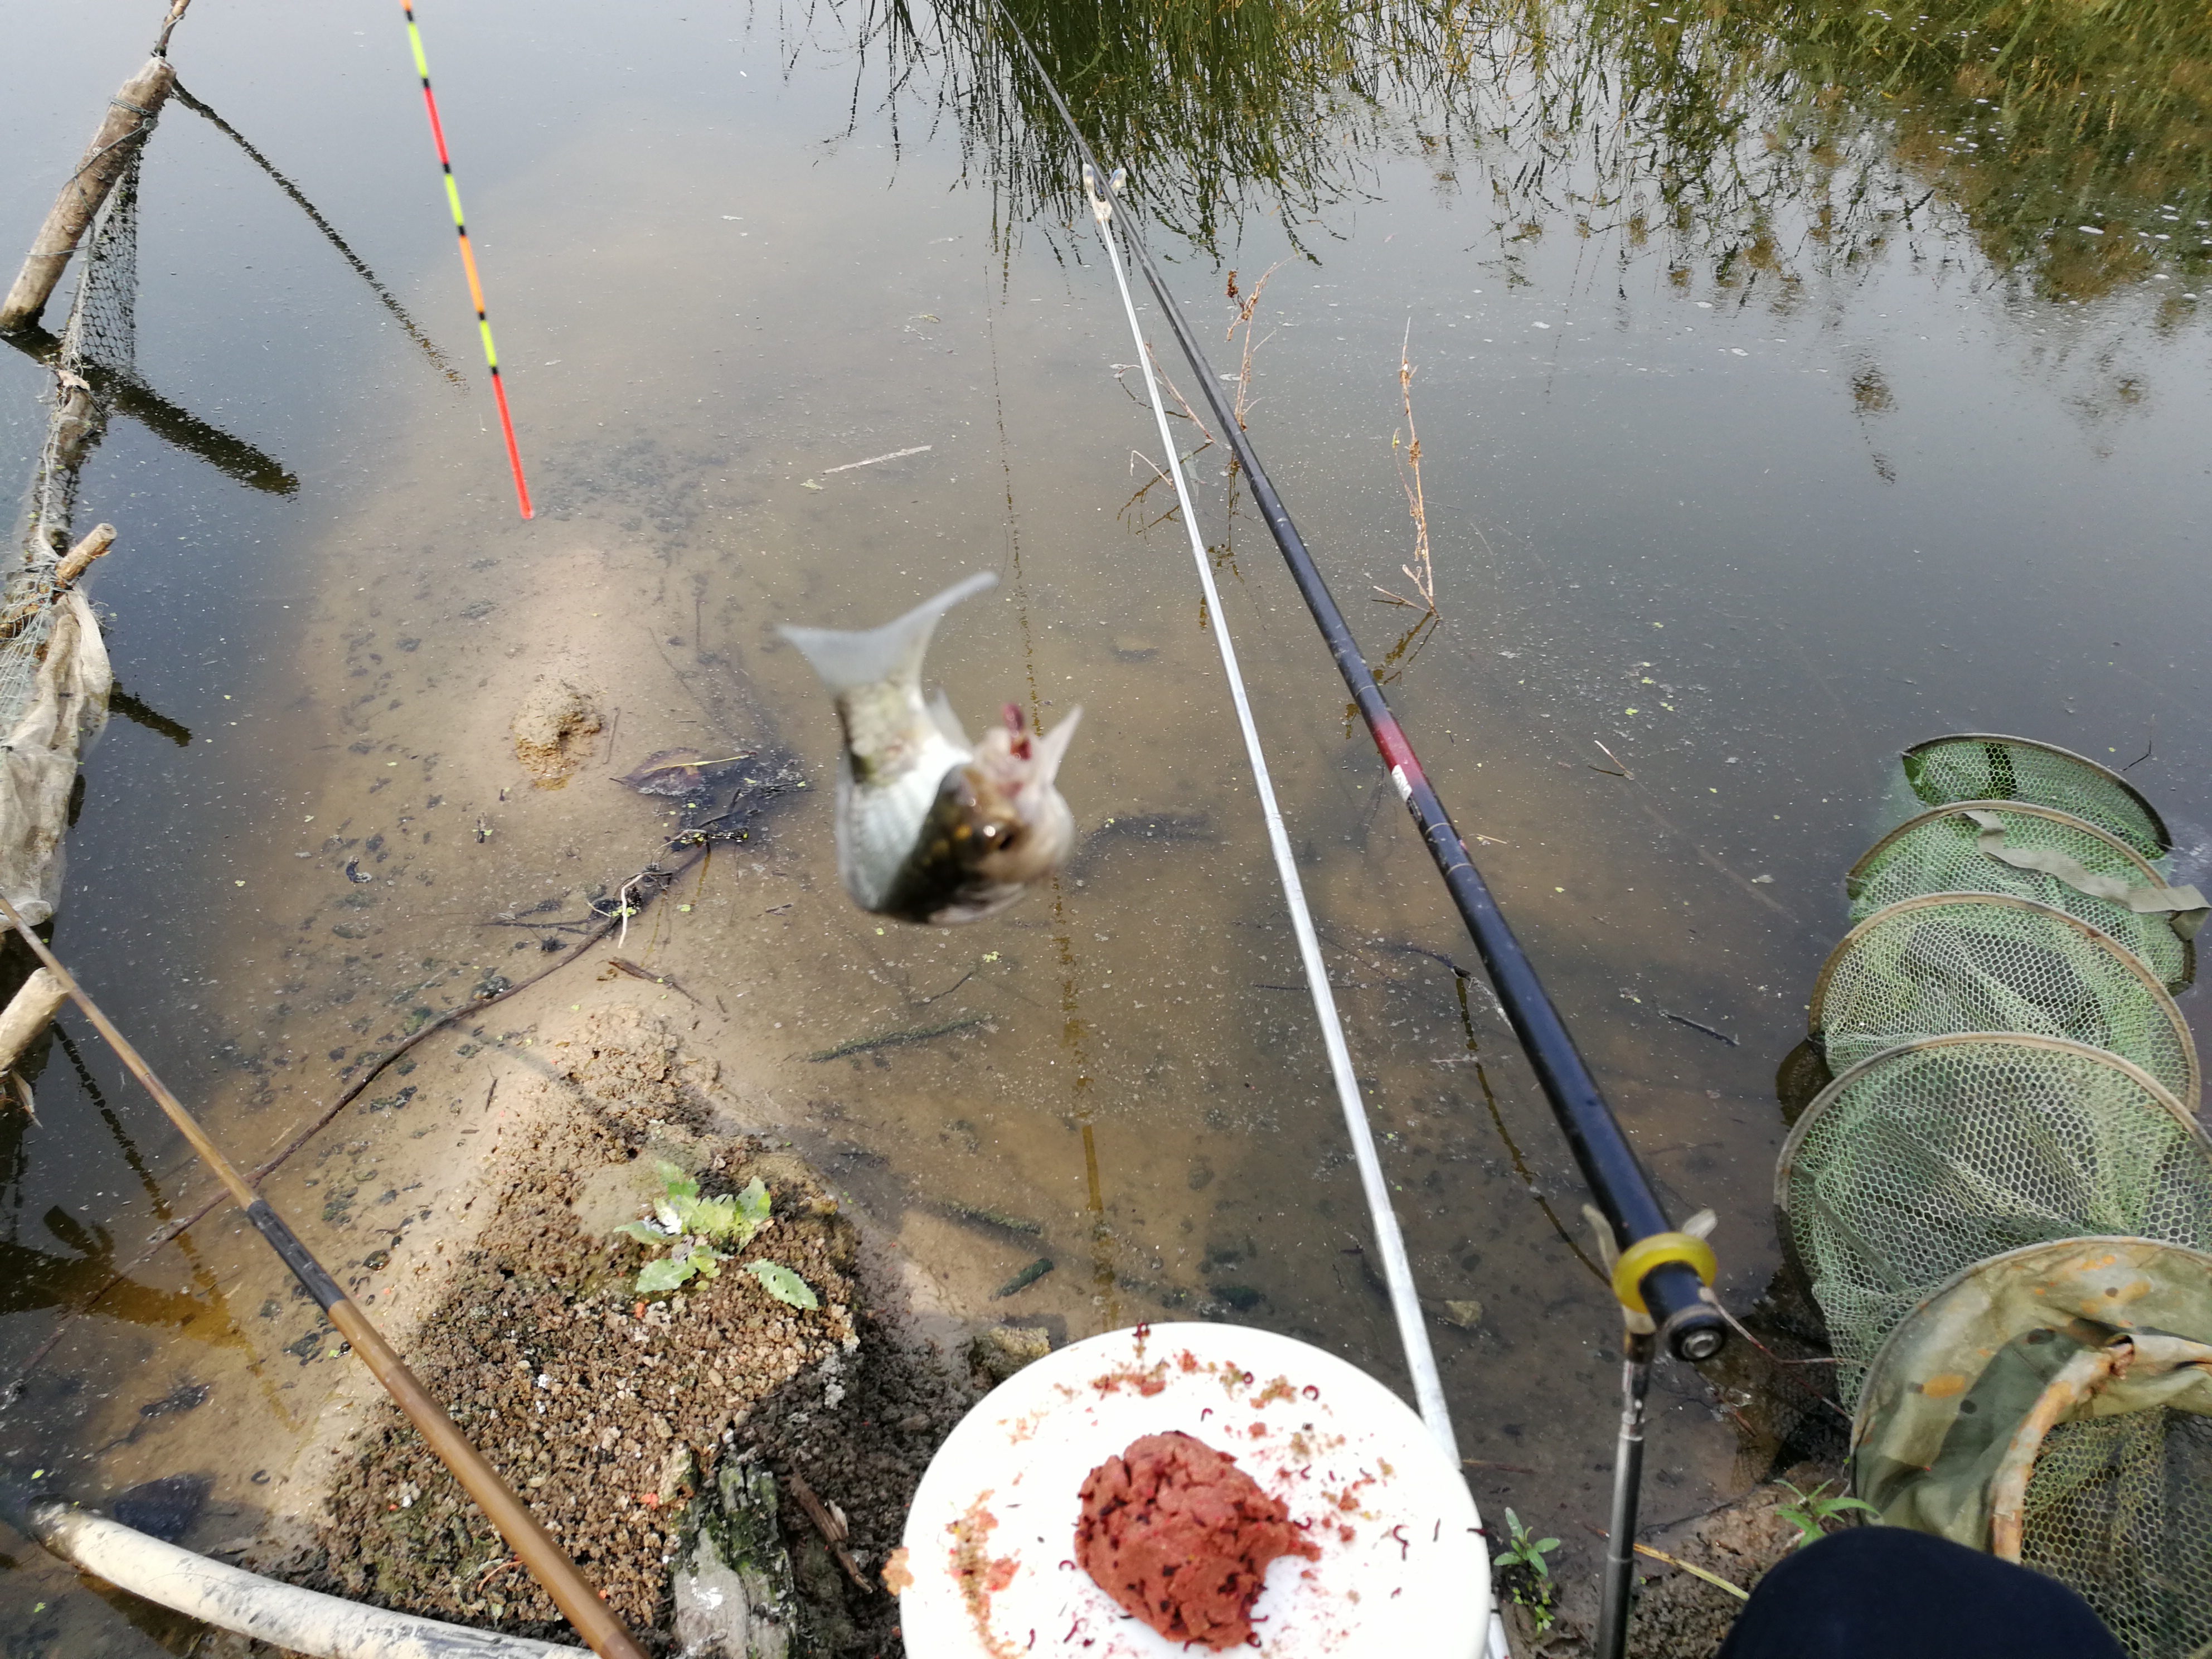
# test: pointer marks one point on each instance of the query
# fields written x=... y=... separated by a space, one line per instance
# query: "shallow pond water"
x=1765 y=425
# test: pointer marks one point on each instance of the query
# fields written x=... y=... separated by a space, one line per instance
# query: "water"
x=1724 y=471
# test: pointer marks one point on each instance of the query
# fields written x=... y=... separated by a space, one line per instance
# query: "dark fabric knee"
x=1903 y=1594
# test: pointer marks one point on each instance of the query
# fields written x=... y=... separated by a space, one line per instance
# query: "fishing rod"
x=548 y=1562
x=1660 y=1274
x=1390 y=1242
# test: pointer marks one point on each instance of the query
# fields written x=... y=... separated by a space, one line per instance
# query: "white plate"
x=1402 y=1558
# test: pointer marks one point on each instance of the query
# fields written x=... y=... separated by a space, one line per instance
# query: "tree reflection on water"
x=1771 y=138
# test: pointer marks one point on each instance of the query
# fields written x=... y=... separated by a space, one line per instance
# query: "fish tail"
x=894 y=652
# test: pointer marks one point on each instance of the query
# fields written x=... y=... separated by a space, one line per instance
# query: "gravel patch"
x=609 y=1411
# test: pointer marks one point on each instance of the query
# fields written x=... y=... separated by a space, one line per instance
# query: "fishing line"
x=1397 y=1271
x=468 y=260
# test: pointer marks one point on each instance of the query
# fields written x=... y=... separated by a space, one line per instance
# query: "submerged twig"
x=827 y=1521
x=2150 y=741
x=891 y=1039
x=874 y=460
x=923 y=1002
x=976 y=1215
x=622 y=965
x=1684 y=1019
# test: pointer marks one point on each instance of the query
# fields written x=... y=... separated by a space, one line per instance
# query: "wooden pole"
x=129 y=116
x=545 y=1559
x=81 y=555
x=29 y=1013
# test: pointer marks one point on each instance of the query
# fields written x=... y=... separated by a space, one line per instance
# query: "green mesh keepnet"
x=1947 y=851
x=1925 y=1159
x=2116 y=1499
x=1988 y=766
x=1948 y=963
x=2120 y=1508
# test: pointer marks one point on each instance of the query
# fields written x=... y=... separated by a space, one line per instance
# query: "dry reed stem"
x=1248 y=307
x=1421 y=573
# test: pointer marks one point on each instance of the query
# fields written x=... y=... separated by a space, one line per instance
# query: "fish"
x=933 y=828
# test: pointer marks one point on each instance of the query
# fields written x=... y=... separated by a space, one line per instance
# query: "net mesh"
x=1941 y=852
x=2003 y=1203
x=1984 y=766
x=2120 y=1508
x=2117 y=1500
x=1944 y=963
x=1926 y=1159
x=99 y=347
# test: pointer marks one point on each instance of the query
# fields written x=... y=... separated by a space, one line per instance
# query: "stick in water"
x=578 y=1601
x=468 y=260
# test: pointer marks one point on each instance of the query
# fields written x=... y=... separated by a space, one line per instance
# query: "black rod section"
x=1694 y=1328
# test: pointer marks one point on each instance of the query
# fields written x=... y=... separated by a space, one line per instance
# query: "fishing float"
x=468 y=260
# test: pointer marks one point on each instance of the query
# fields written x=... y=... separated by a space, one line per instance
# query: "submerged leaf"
x=785 y=1286
x=671 y=772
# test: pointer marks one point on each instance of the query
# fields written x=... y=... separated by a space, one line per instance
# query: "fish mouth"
x=996 y=826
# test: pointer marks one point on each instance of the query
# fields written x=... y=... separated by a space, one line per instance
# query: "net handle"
x=2078 y=1380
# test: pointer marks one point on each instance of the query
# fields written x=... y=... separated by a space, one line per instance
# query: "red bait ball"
x=1180 y=1537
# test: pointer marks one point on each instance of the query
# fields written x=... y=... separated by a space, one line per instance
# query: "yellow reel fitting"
x=1656 y=1251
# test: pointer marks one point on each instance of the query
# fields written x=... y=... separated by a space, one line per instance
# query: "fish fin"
x=1051 y=748
x=941 y=710
x=893 y=653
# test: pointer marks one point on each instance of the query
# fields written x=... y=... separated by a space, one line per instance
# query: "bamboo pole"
x=129 y=116
x=579 y=1603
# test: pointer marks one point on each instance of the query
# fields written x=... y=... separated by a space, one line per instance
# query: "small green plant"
x=1814 y=1509
x=703 y=1233
x=1524 y=1575
x=1524 y=1549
